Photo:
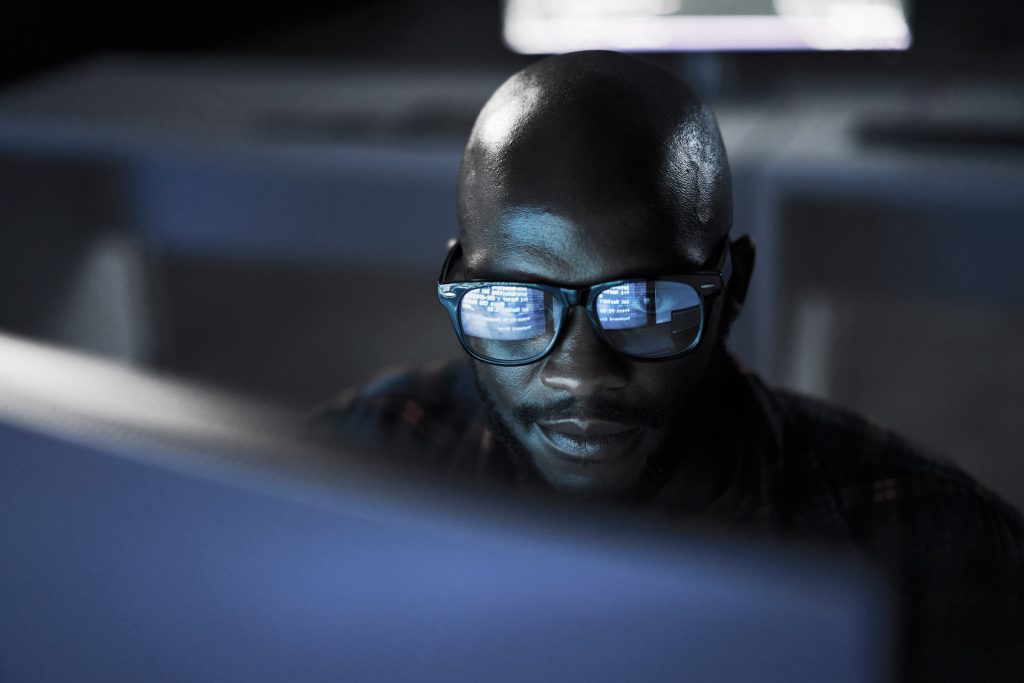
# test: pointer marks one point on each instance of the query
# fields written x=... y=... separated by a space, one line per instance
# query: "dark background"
x=949 y=34
x=258 y=198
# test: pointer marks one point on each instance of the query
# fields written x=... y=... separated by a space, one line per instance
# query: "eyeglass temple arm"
x=454 y=249
x=726 y=266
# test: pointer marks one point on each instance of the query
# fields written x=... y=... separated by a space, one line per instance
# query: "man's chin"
x=590 y=485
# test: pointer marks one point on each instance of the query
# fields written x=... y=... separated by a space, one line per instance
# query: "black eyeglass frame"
x=707 y=284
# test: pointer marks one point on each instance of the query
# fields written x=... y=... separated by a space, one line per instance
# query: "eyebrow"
x=520 y=278
x=515 y=275
x=528 y=278
x=508 y=276
x=671 y=267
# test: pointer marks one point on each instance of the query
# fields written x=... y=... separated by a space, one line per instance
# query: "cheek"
x=676 y=381
x=667 y=383
x=507 y=386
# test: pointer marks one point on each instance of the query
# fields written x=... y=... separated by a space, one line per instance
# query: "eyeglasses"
x=517 y=323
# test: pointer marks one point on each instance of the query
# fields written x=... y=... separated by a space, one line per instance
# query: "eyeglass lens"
x=645 y=318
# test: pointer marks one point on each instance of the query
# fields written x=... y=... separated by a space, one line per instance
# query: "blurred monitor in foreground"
x=153 y=531
x=552 y=26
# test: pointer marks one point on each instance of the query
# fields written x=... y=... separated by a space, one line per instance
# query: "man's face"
x=589 y=419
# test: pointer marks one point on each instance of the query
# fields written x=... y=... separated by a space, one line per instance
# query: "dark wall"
x=36 y=34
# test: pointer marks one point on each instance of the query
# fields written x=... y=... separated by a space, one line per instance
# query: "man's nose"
x=581 y=363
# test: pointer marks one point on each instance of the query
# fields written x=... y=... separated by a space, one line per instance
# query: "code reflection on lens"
x=624 y=306
x=504 y=313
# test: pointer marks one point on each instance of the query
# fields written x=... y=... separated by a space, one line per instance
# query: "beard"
x=687 y=421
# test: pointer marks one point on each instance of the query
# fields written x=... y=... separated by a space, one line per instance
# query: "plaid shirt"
x=806 y=470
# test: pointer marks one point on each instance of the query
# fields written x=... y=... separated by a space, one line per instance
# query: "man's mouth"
x=588 y=439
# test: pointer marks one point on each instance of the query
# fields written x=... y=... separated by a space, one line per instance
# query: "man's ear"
x=743 y=257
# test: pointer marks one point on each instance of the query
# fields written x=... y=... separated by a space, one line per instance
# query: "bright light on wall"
x=551 y=26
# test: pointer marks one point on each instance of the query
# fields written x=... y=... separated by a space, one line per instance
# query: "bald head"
x=598 y=147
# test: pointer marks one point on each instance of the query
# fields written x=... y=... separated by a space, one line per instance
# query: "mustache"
x=597 y=408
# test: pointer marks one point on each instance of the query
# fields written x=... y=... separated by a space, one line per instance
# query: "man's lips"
x=585 y=428
x=591 y=439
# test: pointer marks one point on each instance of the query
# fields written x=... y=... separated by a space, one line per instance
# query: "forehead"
x=575 y=248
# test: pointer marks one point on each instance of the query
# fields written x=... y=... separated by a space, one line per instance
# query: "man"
x=593 y=285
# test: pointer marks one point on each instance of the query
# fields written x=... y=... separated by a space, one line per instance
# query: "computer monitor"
x=554 y=26
x=164 y=532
